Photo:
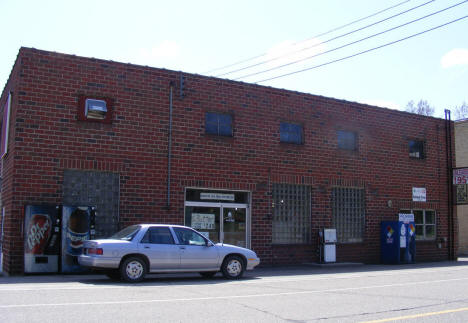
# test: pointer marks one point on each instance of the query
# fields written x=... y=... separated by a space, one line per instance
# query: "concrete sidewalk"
x=263 y=271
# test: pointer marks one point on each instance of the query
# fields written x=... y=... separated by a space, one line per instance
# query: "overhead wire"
x=319 y=35
x=351 y=43
x=324 y=42
x=365 y=51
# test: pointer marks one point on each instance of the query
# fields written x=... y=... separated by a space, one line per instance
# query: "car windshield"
x=127 y=234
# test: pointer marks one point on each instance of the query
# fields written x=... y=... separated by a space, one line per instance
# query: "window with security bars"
x=349 y=213
x=291 y=214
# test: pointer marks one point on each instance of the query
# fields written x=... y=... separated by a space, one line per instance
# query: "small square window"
x=95 y=109
x=416 y=149
x=346 y=140
x=218 y=124
x=291 y=133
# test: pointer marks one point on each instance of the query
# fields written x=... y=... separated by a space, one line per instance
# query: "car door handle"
x=183 y=248
x=146 y=247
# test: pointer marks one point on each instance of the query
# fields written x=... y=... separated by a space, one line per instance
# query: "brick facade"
x=47 y=139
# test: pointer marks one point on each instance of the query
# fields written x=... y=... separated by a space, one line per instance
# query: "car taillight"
x=95 y=251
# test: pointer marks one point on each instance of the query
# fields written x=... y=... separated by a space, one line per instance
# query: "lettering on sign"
x=203 y=221
x=217 y=196
x=460 y=176
x=419 y=194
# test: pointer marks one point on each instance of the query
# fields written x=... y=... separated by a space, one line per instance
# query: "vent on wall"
x=95 y=109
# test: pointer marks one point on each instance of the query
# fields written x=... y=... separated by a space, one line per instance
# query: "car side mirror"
x=209 y=243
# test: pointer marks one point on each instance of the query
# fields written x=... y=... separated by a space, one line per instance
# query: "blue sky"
x=199 y=36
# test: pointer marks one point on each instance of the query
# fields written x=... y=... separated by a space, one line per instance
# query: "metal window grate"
x=349 y=213
x=291 y=214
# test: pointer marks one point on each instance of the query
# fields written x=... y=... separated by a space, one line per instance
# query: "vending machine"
x=398 y=240
x=42 y=238
x=54 y=235
x=77 y=226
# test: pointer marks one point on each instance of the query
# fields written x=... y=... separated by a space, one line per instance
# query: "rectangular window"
x=425 y=221
x=416 y=149
x=346 y=140
x=348 y=206
x=291 y=214
x=291 y=133
x=218 y=124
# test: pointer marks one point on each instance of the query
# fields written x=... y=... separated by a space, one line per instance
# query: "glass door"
x=235 y=226
x=204 y=219
x=220 y=222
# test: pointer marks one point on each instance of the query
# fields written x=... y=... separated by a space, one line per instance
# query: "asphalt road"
x=430 y=292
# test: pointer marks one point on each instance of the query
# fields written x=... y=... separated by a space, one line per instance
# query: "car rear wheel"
x=133 y=269
x=233 y=267
x=208 y=274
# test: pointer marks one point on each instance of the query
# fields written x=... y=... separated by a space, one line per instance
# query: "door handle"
x=146 y=247
x=183 y=248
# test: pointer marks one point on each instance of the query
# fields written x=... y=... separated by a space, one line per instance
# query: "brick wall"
x=47 y=139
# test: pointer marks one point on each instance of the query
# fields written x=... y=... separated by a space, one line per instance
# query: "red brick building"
x=268 y=168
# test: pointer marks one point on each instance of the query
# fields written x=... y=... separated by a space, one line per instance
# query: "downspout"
x=169 y=148
x=448 y=138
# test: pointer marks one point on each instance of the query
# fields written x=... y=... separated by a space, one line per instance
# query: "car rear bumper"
x=98 y=262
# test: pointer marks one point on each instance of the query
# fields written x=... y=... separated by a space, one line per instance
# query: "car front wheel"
x=233 y=267
x=133 y=269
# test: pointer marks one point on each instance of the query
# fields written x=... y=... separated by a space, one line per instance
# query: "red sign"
x=460 y=176
x=40 y=227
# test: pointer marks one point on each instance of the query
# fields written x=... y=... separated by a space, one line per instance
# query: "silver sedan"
x=155 y=248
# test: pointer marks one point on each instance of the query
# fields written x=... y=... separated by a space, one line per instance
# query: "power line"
x=324 y=42
x=322 y=34
x=351 y=43
x=363 y=52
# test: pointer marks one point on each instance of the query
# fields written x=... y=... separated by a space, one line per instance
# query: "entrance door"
x=234 y=226
x=219 y=222
x=204 y=219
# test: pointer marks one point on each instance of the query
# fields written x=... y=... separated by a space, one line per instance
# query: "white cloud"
x=457 y=56
x=384 y=104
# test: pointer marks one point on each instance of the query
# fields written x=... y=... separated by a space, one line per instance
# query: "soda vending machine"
x=54 y=235
x=77 y=226
x=41 y=238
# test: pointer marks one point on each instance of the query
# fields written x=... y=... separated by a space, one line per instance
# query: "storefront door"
x=225 y=223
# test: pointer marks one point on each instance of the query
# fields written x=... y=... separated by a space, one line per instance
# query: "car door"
x=160 y=248
x=195 y=253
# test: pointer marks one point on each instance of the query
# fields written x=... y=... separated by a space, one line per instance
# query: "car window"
x=189 y=237
x=158 y=235
x=126 y=234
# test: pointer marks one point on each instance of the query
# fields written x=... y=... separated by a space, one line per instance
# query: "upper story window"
x=416 y=149
x=218 y=124
x=292 y=133
x=346 y=140
x=95 y=109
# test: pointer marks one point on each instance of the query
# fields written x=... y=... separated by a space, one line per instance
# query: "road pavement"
x=426 y=292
